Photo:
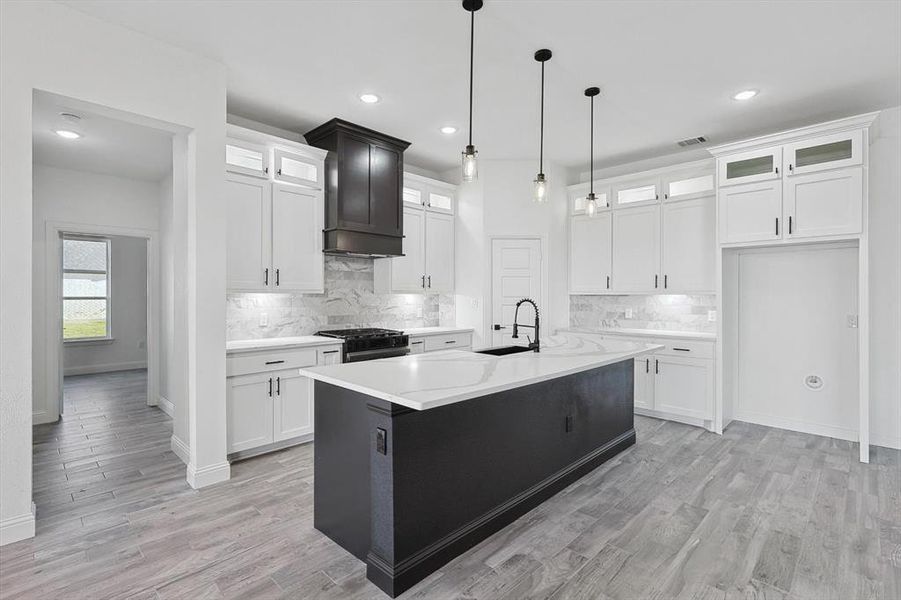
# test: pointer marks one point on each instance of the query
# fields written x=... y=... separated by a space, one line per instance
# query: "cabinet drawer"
x=685 y=349
x=261 y=362
x=446 y=342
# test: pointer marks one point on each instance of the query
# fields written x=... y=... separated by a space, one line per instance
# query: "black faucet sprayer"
x=532 y=345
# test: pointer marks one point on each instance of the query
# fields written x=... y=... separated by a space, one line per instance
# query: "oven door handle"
x=373 y=354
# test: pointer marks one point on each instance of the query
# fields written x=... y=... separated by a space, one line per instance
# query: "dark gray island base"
x=406 y=491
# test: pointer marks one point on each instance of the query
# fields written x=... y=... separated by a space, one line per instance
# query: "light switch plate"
x=711 y=316
x=852 y=321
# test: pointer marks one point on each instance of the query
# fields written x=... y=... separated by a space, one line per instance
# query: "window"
x=86 y=289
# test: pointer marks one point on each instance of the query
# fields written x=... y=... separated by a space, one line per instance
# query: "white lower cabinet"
x=643 y=395
x=268 y=403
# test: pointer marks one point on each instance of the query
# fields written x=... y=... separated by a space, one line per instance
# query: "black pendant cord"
x=541 y=137
x=591 y=149
x=472 y=45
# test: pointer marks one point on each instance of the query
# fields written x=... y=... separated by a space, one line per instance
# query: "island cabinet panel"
x=409 y=490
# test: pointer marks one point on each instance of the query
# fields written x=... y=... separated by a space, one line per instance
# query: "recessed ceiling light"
x=745 y=95
x=448 y=129
x=67 y=134
x=68 y=126
x=369 y=98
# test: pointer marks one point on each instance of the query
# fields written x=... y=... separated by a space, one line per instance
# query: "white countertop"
x=652 y=333
x=279 y=343
x=433 y=379
x=423 y=331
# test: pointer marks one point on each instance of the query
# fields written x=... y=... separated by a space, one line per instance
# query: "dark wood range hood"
x=364 y=174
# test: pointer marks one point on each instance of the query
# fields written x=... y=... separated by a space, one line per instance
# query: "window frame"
x=108 y=336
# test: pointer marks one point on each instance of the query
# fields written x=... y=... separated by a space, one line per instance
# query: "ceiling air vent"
x=692 y=141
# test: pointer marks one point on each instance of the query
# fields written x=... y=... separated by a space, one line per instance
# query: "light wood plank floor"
x=755 y=513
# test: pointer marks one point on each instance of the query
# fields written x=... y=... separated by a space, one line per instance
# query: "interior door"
x=407 y=271
x=590 y=247
x=515 y=274
x=689 y=245
x=292 y=405
x=248 y=244
x=297 y=221
x=636 y=249
x=439 y=252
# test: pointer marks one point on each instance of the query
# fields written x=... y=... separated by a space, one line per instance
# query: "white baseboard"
x=107 y=368
x=180 y=449
x=166 y=406
x=199 y=478
x=42 y=417
x=671 y=417
x=18 y=528
x=841 y=433
x=885 y=441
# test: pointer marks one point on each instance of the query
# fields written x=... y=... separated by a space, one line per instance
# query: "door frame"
x=53 y=360
x=488 y=316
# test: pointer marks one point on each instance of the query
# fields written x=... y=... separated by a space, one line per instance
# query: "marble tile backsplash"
x=673 y=312
x=349 y=301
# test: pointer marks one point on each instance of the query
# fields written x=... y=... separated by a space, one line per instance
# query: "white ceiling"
x=109 y=146
x=667 y=69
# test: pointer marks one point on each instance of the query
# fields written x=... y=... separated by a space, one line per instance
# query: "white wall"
x=127 y=314
x=48 y=46
x=500 y=204
x=885 y=279
x=73 y=197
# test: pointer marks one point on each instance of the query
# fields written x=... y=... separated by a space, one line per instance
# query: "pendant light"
x=540 y=183
x=591 y=207
x=470 y=167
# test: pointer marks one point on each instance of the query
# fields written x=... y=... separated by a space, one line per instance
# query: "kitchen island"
x=418 y=458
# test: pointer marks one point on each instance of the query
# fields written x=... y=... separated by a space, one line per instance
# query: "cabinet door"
x=439 y=252
x=643 y=391
x=297 y=222
x=688 y=186
x=246 y=158
x=689 y=245
x=292 y=405
x=385 y=185
x=293 y=168
x=590 y=249
x=748 y=167
x=824 y=203
x=248 y=244
x=407 y=271
x=249 y=411
x=331 y=356
x=751 y=213
x=417 y=345
x=636 y=250
x=834 y=151
x=637 y=192
x=683 y=386
x=440 y=200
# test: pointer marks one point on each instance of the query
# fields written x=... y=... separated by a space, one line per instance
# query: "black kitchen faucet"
x=532 y=345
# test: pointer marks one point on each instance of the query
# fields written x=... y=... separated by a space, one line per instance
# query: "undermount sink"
x=504 y=350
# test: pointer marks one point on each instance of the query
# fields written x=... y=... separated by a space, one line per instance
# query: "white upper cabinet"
x=687 y=187
x=590 y=248
x=297 y=169
x=297 y=221
x=833 y=151
x=689 y=246
x=439 y=252
x=428 y=261
x=248 y=247
x=636 y=250
x=246 y=158
x=751 y=212
x=822 y=203
x=637 y=192
x=750 y=167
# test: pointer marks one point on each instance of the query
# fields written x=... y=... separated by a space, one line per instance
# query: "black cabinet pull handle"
x=655 y=282
x=279 y=171
x=777 y=170
x=419 y=342
x=266 y=276
x=647 y=365
x=270 y=387
x=790 y=168
x=608 y=282
x=277 y=282
x=330 y=351
x=789 y=225
x=682 y=349
x=278 y=386
x=430 y=281
x=451 y=342
x=274 y=362
x=777 y=225
x=266 y=170
x=423 y=281
x=656 y=367
x=665 y=277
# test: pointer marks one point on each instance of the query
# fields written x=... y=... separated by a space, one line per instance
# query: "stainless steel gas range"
x=370 y=343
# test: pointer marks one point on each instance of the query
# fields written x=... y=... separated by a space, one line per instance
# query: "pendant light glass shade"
x=470 y=164
x=539 y=191
x=591 y=207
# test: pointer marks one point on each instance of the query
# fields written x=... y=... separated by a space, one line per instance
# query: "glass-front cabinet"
x=688 y=186
x=638 y=192
x=827 y=152
x=750 y=167
x=294 y=168
x=578 y=199
x=246 y=158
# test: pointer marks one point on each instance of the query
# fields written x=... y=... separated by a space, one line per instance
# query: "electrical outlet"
x=264 y=319
x=628 y=313
x=142 y=343
x=852 y=321
x=711 y=316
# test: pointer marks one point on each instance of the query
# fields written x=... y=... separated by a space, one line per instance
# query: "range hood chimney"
x=364 y=180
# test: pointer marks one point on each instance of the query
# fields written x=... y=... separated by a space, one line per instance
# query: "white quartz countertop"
x=651 y=333
x=279 y=342
x=433 y=379
x=422 y=331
